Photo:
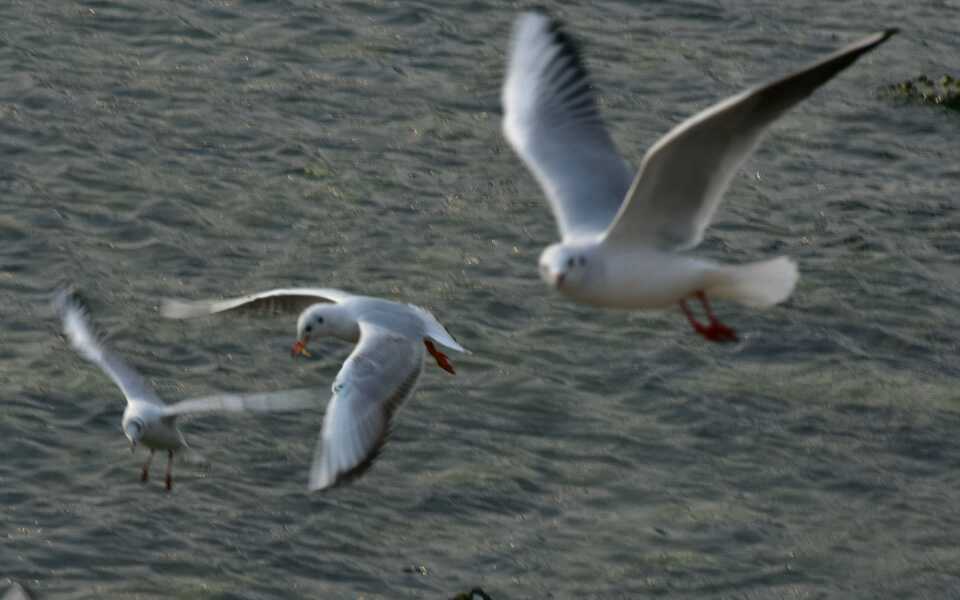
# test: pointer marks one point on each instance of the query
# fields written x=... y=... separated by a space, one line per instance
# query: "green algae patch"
x=316 y=171
x=944 y=91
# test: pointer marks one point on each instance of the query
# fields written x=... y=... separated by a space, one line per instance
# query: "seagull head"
x=563 y=265
x=133 y=429
x=322 y=320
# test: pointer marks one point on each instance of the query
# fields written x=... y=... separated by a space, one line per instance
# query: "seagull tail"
x=759 y=284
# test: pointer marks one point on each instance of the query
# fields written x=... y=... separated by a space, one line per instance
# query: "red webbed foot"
x=442 y=361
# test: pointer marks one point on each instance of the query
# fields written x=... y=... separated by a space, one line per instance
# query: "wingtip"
x=178 y=309
x=67 y=298
x=890 y=32
x=317 y=486
x=59 y=300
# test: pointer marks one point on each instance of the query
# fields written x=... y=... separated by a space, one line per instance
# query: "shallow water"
x=152 y=149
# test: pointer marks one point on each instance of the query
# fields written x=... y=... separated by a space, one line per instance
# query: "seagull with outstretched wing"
x=147 y=420
x=622 y=232
x=376 y=379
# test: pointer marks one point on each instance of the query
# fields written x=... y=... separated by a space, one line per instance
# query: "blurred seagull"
x=623 y=232
x=375 y=380
x=16 y=592
x=147 y=420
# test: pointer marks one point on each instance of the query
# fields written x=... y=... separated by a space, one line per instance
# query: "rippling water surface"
x=155 y=149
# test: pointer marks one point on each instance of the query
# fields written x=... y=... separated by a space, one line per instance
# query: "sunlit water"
x=156 y=149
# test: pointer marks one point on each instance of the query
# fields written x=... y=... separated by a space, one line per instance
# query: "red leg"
x=440 y=357
x=697 y=325
x=715 y=331
x=145 y=472
x=706 y=306
x=168 y=480
x=719 y=331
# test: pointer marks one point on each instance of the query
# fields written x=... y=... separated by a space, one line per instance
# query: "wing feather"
x=287 y=400
x=85 y=340
x=270 y=303
x=684 y=175
x=380 y=374
x=551 y=120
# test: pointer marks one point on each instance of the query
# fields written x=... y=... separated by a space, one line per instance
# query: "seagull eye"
x=319 y=320
x=583 y=261
x=570 y=263
x=308 y=328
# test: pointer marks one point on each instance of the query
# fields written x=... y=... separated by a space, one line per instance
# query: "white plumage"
x=376 y=379
x=622 y=232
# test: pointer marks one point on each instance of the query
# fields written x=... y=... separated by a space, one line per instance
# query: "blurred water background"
x=158 y=149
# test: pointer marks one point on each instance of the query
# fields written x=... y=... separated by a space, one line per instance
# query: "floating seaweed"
x=942 y=92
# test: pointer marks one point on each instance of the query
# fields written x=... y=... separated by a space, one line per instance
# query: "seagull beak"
x=558 y=279
x=133 y=447
x=300 y=347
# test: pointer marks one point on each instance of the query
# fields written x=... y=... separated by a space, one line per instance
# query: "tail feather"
x=759 y=284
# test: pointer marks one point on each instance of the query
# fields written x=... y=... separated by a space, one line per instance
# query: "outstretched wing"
x=284 y=401
x=551 y=120
x=683 y=176
x=380 y=374
x=84 y=339
x=271 y=303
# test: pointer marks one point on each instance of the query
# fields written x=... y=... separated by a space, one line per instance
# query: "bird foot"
x=715 y=331
x=168 y=480
x=442 y=361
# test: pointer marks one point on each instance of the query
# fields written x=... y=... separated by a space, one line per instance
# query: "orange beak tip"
x=299 y=349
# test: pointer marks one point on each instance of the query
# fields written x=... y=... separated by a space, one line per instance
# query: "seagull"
x=624 y=233
x=147 y=420
x=16 y=592
x=376 y=379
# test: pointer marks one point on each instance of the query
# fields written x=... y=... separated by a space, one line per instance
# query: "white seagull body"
x=376 y=379
x=623 y=232
x=147 y=420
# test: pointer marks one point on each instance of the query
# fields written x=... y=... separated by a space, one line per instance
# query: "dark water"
x=156 y=149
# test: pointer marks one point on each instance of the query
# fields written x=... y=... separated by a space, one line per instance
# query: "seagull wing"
x=284 y=401
x=683 y=176
x=270 y=303
x=375 y=380
x=86 y=341
x=551 y=120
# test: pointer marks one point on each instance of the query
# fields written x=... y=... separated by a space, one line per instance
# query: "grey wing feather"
x=683 y=176
x=380 y=374
x=269 y=303
x=84 y=339
x=551 y=120
x=283 y=401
